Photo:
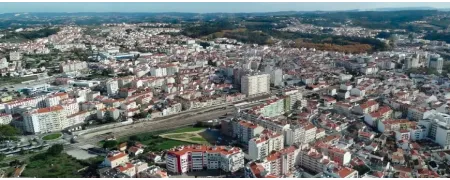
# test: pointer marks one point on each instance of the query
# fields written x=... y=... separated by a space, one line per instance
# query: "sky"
x=203 y=7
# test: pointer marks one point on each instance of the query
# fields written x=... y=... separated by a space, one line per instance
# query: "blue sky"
x=201 y=7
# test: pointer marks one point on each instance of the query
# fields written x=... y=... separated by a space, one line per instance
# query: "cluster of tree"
x=438 y=37
x=207 y=28
x=352 y=48
x=384 y=35
x=422 y=71
x=54 y=150
x=370 y=19
x=252 y=37
x=31 y=35
x=8 y=132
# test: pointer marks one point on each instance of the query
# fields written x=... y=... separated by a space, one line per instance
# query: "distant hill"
x=405 y=9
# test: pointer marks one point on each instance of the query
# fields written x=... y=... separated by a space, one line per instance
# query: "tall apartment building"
x=45 y=120
x=70 y=66
x=277 y=164
x=255 y=84
x=436 y=62
x=260 y=147
x=199 y=157
x=36 y=102
x=437 y=128
x=294 y=135
x=158 y=71
x=293 y=96
x=273 y=107
x=54 y=99
x=112 y=87
x=245 y=130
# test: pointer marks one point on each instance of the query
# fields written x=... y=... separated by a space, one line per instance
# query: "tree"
x=8 y=131
x=2 y=156
x=55 y=150
x=135 y=138
x=110 y=144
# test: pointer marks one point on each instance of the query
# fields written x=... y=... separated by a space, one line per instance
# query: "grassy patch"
x=186 y=129
x=52 y=136
x=198 y=139
x=170 y=143
x=61 y=166
x=180 y=136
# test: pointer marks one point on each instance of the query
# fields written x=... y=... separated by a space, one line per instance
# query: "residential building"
x=45 y=120
x=199 y=157
x=70 y=66
x=115 y=159
x=260 y=147
x=112 y=87
x=245 y=130
x=252 y=85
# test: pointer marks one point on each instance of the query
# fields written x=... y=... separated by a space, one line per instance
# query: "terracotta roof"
x=369 y=103
x=50 y=109
x=344 y=172
x=116 y=156
x=126 y=167
x=248 y=124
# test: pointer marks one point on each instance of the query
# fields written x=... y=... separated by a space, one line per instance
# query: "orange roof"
x=369 y=103
x=381 y=111
x=248 y=124
x=257 y=169
x=50 y=109
x=126 y=167
x=116 y=156
x=344 y=172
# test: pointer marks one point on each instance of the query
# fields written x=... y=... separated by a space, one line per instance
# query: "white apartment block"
x=112 y=87
x=260 y=147
x=437 y=128
x=281 y=163
x=55 y=99
x=294 y=135
x=36 y=102
x=255 y=84
x=70 y=66
x=158 y=71
x=45 y=120
x=294 y=96
x=78 y=118
x=245 y=130
x=310 y=133
x=70 y=106
x=199 y=157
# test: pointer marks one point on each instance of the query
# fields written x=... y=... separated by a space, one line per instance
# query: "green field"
x=52 y=136
x=61 y=166
x=186 y=129
x=170 y=143
x=199 y=139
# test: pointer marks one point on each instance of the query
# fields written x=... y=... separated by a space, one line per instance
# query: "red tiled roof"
x=50 y=109
x=369 y=103
x=116 y=156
